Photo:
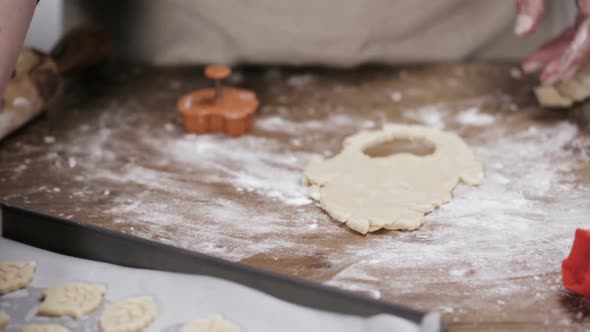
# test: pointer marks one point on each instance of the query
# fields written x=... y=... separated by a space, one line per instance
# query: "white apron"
x=324 y=32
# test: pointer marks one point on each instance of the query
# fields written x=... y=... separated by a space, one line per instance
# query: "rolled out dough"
x=392 y=192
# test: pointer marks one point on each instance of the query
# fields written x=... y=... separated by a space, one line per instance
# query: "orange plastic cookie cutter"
x=218 y=109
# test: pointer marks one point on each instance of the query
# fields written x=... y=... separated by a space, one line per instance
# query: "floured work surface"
x=490 y=259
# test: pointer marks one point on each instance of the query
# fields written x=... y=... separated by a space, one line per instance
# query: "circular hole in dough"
x=395 y=146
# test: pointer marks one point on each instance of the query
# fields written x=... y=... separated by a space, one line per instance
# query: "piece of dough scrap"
x=129 y=315
x=71 y=299
x=392 y=192
x=16 y=275
x=4 y=319
x=44 y=328
x=548 y=96
x=565 y=93
x=211 y=324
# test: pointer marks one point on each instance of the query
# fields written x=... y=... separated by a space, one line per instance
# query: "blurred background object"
x=47 y=25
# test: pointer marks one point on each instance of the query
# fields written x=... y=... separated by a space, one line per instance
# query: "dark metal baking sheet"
x=90 y=242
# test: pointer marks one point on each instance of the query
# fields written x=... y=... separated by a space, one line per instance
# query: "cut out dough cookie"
x=129 y=315
x=44 y=328
x=72 y=299
x=392 y=192
x=211 y=324
x=4 y=319
x=16 y=275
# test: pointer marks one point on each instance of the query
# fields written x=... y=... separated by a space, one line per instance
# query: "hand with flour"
x=560 y=58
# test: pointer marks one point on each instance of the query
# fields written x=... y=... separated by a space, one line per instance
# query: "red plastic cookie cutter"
x=219 y=109
x=576 y=268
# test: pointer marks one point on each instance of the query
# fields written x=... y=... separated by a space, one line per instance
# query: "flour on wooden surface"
x=428 y=115
x=168 y=188
x=300 y=81
x=473 y=117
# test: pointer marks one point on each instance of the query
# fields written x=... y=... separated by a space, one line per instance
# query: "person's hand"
x=15 y=16
x=561 y=57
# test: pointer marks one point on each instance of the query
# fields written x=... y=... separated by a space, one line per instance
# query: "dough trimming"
x=565 y=93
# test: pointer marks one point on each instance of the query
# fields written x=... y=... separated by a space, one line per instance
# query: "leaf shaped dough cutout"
x=212 y=324
x=129 y=315
x=72 y=299
x=44 y=328
x=16 y=275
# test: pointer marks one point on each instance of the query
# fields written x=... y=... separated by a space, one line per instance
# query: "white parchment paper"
x=179 y=297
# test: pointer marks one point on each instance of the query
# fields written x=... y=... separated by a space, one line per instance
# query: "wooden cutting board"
x=112 y=154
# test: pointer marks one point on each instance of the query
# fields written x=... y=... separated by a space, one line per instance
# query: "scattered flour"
x=508 y=228
x=300 y=81
x=72 y=162
x=242 y=164
x=49 y=139
x=428 y=115
x=235 y=198
x=473 y=117
x=332 y=123
x=515 y=73
x=169 y=127
x=368 y=124
x=493 y=226
x=356 y=288
x=396 y=96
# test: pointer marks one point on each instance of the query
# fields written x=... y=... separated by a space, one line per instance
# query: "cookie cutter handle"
x=217 y=73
